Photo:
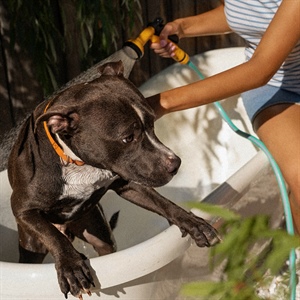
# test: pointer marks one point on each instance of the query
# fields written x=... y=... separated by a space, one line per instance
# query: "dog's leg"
x=202 y=232
x=30 y=249
x=73 y=273
x=94 y=229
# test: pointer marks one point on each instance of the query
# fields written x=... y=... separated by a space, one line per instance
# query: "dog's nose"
x=173 y=164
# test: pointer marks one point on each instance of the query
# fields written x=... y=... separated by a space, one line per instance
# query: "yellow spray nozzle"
x=139 y=43
x=180 y=56
x=152 y=33
x=145 y=36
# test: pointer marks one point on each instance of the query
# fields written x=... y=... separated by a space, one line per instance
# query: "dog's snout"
x=173 y=164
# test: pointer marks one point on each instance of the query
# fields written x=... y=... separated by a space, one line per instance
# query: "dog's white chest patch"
x=81 y=181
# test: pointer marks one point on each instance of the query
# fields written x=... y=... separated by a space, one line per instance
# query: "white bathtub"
x=151 y=262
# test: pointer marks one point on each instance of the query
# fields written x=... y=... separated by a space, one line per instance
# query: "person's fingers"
x=168 y=30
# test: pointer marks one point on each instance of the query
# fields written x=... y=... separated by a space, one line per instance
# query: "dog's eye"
x=128 y=139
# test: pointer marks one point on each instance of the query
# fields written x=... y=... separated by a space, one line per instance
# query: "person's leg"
x=279 y=128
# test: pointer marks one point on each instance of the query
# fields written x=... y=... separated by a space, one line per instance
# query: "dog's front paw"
x=74 y=275
x=203 y=233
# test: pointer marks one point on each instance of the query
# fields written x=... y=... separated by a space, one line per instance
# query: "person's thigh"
x=279 y=128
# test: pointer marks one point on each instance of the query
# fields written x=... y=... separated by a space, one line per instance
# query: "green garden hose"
x=280 y=180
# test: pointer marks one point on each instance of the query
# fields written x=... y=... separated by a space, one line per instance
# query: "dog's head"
x=109 y=124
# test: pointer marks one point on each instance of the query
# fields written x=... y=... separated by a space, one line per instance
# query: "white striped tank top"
x=250 y=19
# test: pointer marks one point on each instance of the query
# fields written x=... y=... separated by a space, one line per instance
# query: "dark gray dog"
x=90 y=138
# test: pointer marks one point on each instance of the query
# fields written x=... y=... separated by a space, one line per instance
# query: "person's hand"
x=165 y=48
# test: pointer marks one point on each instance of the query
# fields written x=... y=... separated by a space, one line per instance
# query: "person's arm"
x=278 y=41
x=208 y=23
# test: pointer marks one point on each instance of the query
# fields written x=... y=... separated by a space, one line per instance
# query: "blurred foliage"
x=39 y=29
x=244 y=268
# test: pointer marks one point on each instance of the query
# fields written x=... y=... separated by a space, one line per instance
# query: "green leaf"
x=215 y=210
x=205 y=288
x=282 y=246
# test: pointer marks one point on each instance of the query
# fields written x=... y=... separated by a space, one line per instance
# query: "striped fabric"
x=250 y=19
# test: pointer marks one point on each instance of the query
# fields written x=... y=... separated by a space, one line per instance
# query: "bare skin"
x=284 y=120
x=281 y=131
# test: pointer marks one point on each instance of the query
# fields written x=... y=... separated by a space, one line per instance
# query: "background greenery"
x=74 y=34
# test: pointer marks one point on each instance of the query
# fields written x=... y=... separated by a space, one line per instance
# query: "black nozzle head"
x=158 y=25
x=136 y=54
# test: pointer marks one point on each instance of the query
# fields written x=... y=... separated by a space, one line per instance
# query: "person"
x=269 y=79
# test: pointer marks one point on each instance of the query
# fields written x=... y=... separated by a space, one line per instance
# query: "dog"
x=89 y=138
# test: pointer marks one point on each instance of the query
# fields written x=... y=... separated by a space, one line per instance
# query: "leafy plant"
x=243 y=268
x=33 y=25
x=41 y=30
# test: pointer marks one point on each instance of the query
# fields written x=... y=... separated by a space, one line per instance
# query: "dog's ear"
x=112 y=69
x=61 y=120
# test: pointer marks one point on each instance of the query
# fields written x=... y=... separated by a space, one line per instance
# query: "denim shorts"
x=258 y=99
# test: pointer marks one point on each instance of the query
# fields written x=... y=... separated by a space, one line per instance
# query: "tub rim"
x=137 y=262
